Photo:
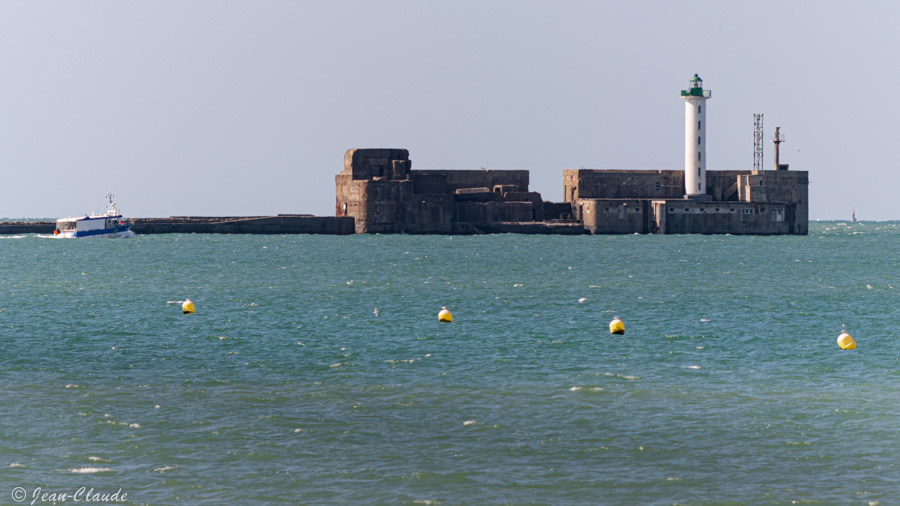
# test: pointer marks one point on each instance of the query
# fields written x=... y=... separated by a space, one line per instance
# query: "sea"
x=315 y=370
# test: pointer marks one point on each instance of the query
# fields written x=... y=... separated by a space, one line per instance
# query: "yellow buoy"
x=445 y=316
x=846 y=342
x=616 y=326
x=187 y=306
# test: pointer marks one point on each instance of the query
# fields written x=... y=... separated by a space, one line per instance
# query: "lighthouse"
x=695 y=137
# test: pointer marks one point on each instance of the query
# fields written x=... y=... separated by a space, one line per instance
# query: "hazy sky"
x=246 y=107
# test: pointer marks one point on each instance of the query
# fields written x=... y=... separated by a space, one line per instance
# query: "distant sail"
x=853 y=214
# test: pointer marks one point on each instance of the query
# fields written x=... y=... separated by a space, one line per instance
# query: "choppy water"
x=285 y=387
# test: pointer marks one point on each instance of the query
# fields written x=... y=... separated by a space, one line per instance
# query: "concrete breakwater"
x=289 y=224
x=280 y=224
x=27 y=227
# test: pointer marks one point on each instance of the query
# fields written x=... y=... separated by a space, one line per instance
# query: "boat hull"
x=107 y=233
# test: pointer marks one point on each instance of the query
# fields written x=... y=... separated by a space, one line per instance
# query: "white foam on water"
x=401 y=361
x=16 y=464
x=622 y=376
x=164 y=468
x=469 y=422
x=91 y=470
x=12 y=236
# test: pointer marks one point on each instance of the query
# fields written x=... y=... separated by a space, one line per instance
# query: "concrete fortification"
x=378 y=192
x=379 y=189
x=383 y=194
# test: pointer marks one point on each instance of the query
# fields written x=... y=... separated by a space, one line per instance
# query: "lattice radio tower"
x=757 y=141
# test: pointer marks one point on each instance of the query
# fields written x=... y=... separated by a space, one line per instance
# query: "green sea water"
x=286 y=386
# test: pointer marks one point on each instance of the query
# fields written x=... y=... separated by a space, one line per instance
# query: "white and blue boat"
x=109 y=225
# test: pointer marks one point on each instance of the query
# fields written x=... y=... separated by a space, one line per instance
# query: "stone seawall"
x=290 y=224
x=281 y=224
x=27 y=227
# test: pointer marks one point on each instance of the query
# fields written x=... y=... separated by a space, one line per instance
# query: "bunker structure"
x=764 y=202
x=383 y=194
x=381 y=191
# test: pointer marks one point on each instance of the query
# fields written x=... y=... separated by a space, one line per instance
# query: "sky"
x=242 y=108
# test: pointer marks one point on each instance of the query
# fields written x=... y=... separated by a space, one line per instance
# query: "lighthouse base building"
x=692 y=201
x=763 y=202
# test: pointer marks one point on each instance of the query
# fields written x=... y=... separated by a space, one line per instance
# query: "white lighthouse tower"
x=695 y=137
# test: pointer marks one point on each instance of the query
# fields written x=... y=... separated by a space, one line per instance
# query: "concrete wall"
x=722 y=184
x=27 y=227
x=738 y=218
x=620 y=184
x=784 y=192
x=390 y=207
x=453 y=180
x=490 y=212
x=380 y=191
x=281 y=224
x=429 y=214
x=371 y=163
x=557 y=211
x=616 y=216
x=773 y=187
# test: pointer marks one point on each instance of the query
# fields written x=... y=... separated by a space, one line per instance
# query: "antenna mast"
x=779 y=138
x=757 y=142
